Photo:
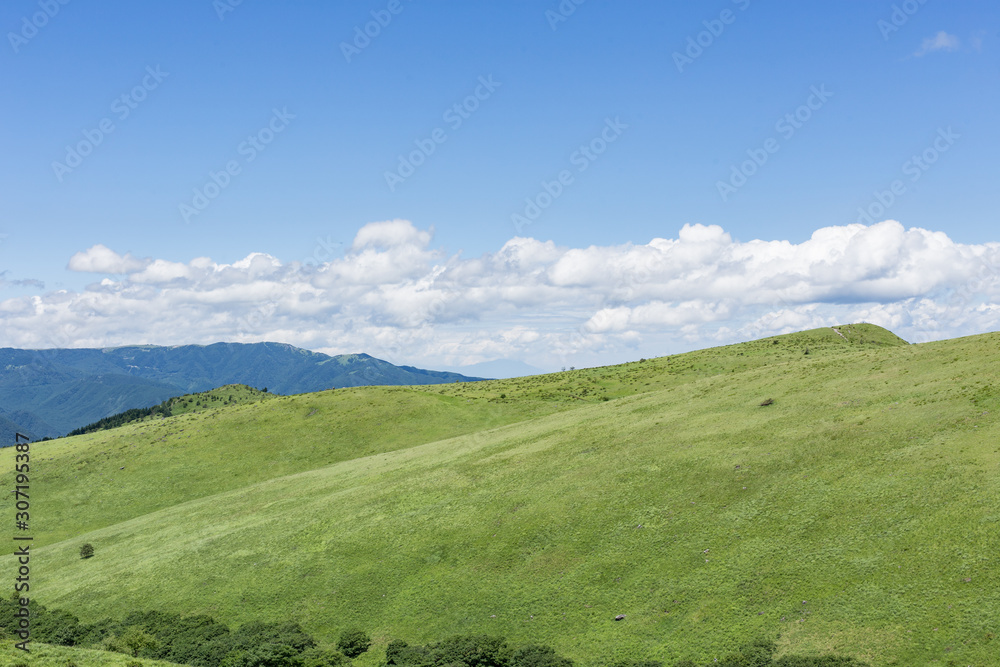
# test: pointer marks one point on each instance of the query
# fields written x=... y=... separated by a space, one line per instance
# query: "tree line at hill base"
x=201 y=641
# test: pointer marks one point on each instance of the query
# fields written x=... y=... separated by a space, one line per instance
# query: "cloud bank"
x=395 y=296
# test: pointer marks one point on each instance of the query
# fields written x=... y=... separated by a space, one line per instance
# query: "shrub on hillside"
x=135 y=640
x=399 y=652
x=256 y=633
x=353 y=643
x=457 y=651
x=477 y=651
x=54 y=626
x=245 y=646
x=194 y=640
x=267 y=655
x=48 y=626
x=470 y=650
x=87 y=550
x=187 y=639
x=199 y=641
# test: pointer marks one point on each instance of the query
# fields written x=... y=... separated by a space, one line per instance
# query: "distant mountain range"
x=47 y=393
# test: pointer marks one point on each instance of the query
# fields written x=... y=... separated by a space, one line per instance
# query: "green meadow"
x=856 y=511
x=43 y=655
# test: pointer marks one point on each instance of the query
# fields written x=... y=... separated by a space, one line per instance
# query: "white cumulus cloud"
x=101 y=259
x=390 y=234
x=393 y=295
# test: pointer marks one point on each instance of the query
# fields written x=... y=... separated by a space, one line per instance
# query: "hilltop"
x=836 y=488
x=230 y=394
x=46 y=393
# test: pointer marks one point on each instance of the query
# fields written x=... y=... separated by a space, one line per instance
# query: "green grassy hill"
x=230 y=394
x=43 y=655
x=856 y=513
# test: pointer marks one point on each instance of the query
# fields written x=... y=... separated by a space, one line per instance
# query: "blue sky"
x=653 y=113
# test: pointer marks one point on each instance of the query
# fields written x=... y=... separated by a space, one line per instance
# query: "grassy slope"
x=44 y=655
x=870 y=495
x=100 y=479
x=191 y=456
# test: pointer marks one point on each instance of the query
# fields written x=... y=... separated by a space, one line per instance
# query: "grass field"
x=43 y=655
x=857 y=513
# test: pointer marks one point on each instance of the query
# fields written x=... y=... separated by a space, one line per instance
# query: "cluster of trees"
x=201 y=641
x=472 y=651
x=164 y=409
x=486 y=651
x=123 y=418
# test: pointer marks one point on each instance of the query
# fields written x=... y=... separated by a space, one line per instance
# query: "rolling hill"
x=835 y=489
x=47 y=393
